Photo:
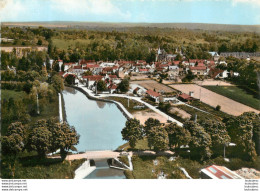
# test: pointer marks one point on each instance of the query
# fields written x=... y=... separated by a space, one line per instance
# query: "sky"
x=243 y=12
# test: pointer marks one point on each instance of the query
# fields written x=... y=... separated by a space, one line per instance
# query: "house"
x=185 y=97
x=218 y=172
x=200 y=69
x=218 y=73
x=60 y=62
x=176 y=63
x=112 y=88
x=154 y=95
x=109 y=70
x=143 y=71
x=139 y=91
x=77 y=70
x=69 y=65
x=107 y=64
x=94 y=68
x=84 y=63
x=90 y=80
x=214 y=55
x=113 y=78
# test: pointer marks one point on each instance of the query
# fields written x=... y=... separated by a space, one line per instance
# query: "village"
x=163 y=81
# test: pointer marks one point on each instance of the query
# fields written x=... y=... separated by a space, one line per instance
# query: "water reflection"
x=99 y=124
x=101 y=104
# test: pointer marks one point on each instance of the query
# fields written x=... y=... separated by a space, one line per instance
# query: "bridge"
x=112 y=154
x=94 y=155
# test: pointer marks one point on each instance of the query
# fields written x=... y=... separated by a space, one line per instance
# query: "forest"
x=135 y=43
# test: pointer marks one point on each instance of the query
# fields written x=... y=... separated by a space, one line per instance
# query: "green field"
x=237 y=94
x=65 y=44
x=7 y=94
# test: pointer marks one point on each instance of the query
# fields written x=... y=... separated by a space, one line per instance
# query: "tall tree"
x=177 y=136
x=101 y=85
x=200 y=141
x=40 y=140
x=57 y=83
x=12 y=145
x=240 y=129
x=149 y=123
x=219 y=135
x=158 y=138
x=16 y=128
x=123 y=86
x=64 y=137
x=132 y=131
x=255 y=118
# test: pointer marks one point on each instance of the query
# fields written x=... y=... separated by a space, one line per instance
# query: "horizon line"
x=130 y=22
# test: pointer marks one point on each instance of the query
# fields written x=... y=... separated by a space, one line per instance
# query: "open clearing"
x=142 y=116
x=213 y=99
x=151 y=84
x=213 y=83
x=237 y=94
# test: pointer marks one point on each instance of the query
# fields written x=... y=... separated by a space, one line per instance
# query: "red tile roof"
x=152 y=93
x=87 y=62
x=163 y=65
x=61 y=73
x=112 y=76
x=176 y=62
x=220 y=172
x=185 y=96
x=91 y=66
x=77 y=67
x=112 y=86
x=110 y=68
x=198 y=68
x=143 y=70
x=93 y=78
x=195 y=60
x=214 y=72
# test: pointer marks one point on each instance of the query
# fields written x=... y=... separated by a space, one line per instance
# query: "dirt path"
x=213 y=99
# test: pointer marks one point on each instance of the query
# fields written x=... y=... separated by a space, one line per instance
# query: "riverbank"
x=127 y=114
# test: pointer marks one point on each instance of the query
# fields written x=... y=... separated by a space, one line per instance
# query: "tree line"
x=205 y=139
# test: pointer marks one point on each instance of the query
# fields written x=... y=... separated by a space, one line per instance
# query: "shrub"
x=218 y=108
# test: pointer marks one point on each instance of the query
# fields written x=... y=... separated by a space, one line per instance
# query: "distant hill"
x=121 y=26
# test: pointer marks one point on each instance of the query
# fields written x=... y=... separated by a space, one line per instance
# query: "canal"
x=98 y=123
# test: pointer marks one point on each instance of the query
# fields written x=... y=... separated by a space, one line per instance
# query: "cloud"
x=84 y=7
x=10 y=10
x=251 y=2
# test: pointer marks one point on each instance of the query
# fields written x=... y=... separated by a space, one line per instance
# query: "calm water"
x=103 y=171
x=98 y=123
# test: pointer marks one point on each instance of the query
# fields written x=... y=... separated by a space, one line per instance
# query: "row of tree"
x=45 y=136
x=204 y=139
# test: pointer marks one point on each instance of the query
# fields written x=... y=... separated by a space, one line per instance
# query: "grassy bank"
x=124 y=102
x=212 y=112
x=145 y=168
x=237 y=94
x=140 y=145
x=31 y=167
